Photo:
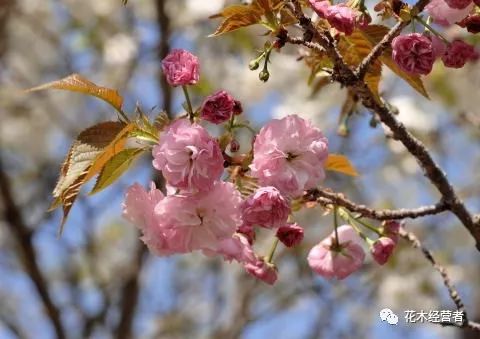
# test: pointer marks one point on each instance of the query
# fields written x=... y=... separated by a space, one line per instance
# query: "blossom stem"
x=272 y=251
x=353 y=219
x=189 y=103
x=244 y=126
x=335 y=225
x=431 y=29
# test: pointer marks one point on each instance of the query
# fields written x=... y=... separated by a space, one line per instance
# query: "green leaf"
x=115 y=167
x=77 y=83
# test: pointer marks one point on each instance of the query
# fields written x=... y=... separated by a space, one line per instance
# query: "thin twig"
x=452 y=291
x=325 y=198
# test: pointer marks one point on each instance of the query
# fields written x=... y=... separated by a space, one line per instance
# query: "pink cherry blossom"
x=289 y=154
x=181 y=68
x=263 y=271
x=330 y=261
x=290 y=235
x=188 y=156
x=320 y=7
x=341 y=17
x=218 y=107
x=266 y=207
x=458 y=54
x=444 y=15
x=235 y=248
x=198 y=221
x=139 y=205
x=458 y=4
x=382 y=249
x=413 y=53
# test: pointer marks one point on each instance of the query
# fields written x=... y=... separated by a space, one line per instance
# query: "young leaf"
x=77 y=83
x=114 y=147
x=86 y=149
x=237 y=16
x=115 y=167
x=340 y=163
x=374 y=34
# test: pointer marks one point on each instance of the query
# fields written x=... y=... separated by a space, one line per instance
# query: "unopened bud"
x=264 y=75
x=253 y=65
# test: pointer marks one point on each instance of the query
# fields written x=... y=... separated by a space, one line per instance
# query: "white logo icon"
x=387 y=315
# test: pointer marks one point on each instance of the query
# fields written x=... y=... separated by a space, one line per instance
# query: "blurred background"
x=98 y=280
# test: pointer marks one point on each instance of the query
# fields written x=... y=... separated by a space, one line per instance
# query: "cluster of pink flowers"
x=201 y=212
x=341 y=253
x=416 y=53
x=341 y=17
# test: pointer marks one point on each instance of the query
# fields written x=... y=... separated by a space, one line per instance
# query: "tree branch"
x=348 y=78
x=325 y=198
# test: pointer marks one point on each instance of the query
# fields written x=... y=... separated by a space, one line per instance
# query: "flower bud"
x=264 y=75
x=290 y=235
x=253 y=65
x=218 y=107
x=471 y=23
x=382 y=249
x=266 y=207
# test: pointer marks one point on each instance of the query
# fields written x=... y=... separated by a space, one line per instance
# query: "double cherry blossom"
x=201 y=212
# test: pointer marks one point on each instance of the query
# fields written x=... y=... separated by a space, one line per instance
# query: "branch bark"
x=325 y=198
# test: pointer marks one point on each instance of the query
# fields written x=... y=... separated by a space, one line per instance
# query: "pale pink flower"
x=139 y=205
x=382 y=249
x=181 y=68
x=330 y=261
x=218 y=107
x=289 y=154
x=290 y=235
x=444 y=15
x=188 y=156
x=341 y=17
x=266 y=207
x=413 y=53
x=235 y=248
x=263 y=271
x=199 y=221
x=458 y=4
x=458 y=54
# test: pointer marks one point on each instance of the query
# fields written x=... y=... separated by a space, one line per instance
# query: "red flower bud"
x=290 y=235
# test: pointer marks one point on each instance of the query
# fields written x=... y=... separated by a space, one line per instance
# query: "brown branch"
x=23 y=236
x=348 y=78
x=452 y=291
x=325 y=198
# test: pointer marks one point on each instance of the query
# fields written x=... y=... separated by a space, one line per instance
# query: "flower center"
x=291 y=156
